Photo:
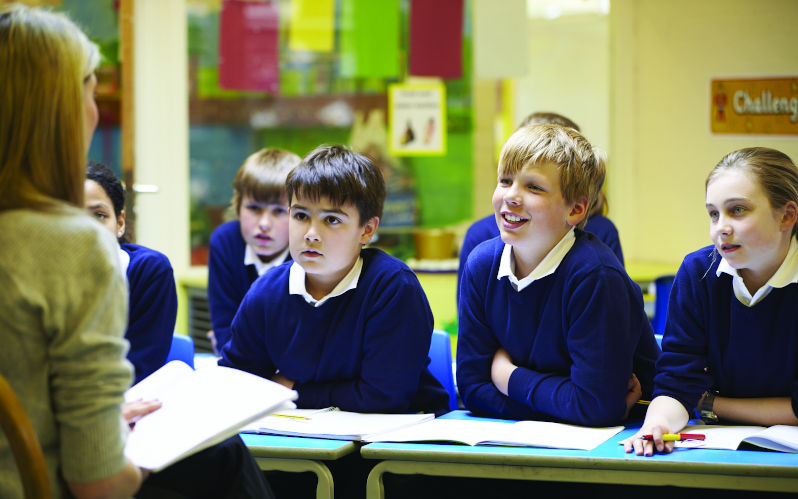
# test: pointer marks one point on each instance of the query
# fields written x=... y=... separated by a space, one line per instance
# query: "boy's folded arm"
x=601 y=339
x=476 y=347
x=395 y=348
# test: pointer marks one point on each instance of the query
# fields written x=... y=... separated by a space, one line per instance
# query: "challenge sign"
x=755 y=106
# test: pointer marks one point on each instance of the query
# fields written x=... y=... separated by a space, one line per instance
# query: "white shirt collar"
x=787 y=273
x=124 y=261
x=546 y=266
x=251 y=258
x=296 y=283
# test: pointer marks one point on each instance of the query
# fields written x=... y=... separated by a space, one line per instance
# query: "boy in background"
x=550 y=325
x=343 y=326
x=245 y=248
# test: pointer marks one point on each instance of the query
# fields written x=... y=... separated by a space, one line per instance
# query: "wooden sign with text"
x=760 y=106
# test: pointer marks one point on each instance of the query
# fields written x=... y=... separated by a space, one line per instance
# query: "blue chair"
x=182 y=349
x=662 y=289
x=440 y=354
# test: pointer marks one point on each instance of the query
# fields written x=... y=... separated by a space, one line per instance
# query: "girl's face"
x=751 y=235
x=99 y=206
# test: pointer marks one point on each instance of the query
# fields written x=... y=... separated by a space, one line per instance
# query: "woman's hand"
x=137 y=409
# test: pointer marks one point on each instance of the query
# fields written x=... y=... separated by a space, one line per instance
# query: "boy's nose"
x=511 y=195
x=312 y=234
x=264 y=223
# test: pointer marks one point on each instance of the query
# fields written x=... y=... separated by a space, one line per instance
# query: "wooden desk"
x=606 y=464
x=296 y=454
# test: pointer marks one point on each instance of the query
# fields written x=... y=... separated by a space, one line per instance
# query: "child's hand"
x=646 y=447
x=633 y=394
x=279 y=378
x=212 y=337
x=501 y=369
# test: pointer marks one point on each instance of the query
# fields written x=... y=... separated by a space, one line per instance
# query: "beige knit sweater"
x=63 y=308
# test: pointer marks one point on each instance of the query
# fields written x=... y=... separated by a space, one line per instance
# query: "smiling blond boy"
x=550 y=325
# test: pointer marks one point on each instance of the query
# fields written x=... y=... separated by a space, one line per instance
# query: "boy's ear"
x=369 y=229
x=790 y=215
x=120 y=224
x=578 y=212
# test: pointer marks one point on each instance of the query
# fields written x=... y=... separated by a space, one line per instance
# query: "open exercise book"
x=200 y=408
x=780 y=438
x=332 y=423
x=518 y=434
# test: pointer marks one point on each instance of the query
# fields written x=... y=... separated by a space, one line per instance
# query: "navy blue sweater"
x=577 y=336
x=365 y=350
x=749 y=351
x=152 y=309
x=228 y=278
x=486 y=228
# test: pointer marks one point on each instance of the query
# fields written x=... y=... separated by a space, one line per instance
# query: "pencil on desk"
x=675 y=437
x=643 y=402
x=290 y=416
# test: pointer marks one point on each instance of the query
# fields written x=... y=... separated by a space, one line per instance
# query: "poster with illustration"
x=417 y=119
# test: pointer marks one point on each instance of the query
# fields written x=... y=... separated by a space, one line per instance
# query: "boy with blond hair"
x=342 y=325
x=551 y=326
x=245 y=248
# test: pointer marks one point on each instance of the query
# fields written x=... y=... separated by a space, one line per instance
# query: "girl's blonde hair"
x=581 y=166
x=774 y=170
x=44 y=61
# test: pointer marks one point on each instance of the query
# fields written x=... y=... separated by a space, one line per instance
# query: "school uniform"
x=748 y=344
x=575 y=327
x=486 y=228
x=361 y=348
x=603 y=228
x=152 y=307
x=232 y=268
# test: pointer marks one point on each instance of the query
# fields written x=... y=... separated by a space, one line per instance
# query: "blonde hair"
x=774 y=170
x=547 y=118
x=44 y=60
x=582 y=167
x=262 y=176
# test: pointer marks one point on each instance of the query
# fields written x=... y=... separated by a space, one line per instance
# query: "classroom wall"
x=161 y=129
x=568 y=73
x=568 y=60
x=662 y=57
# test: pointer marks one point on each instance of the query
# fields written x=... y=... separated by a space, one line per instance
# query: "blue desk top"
x=296 y=447
x=608 y=455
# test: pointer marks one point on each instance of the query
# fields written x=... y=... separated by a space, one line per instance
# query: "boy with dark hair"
x=341 y=325
x=551 y=326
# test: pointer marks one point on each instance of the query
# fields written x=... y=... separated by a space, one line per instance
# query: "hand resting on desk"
x=664 y=415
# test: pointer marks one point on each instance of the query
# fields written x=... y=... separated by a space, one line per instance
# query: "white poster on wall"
x=417 y=119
